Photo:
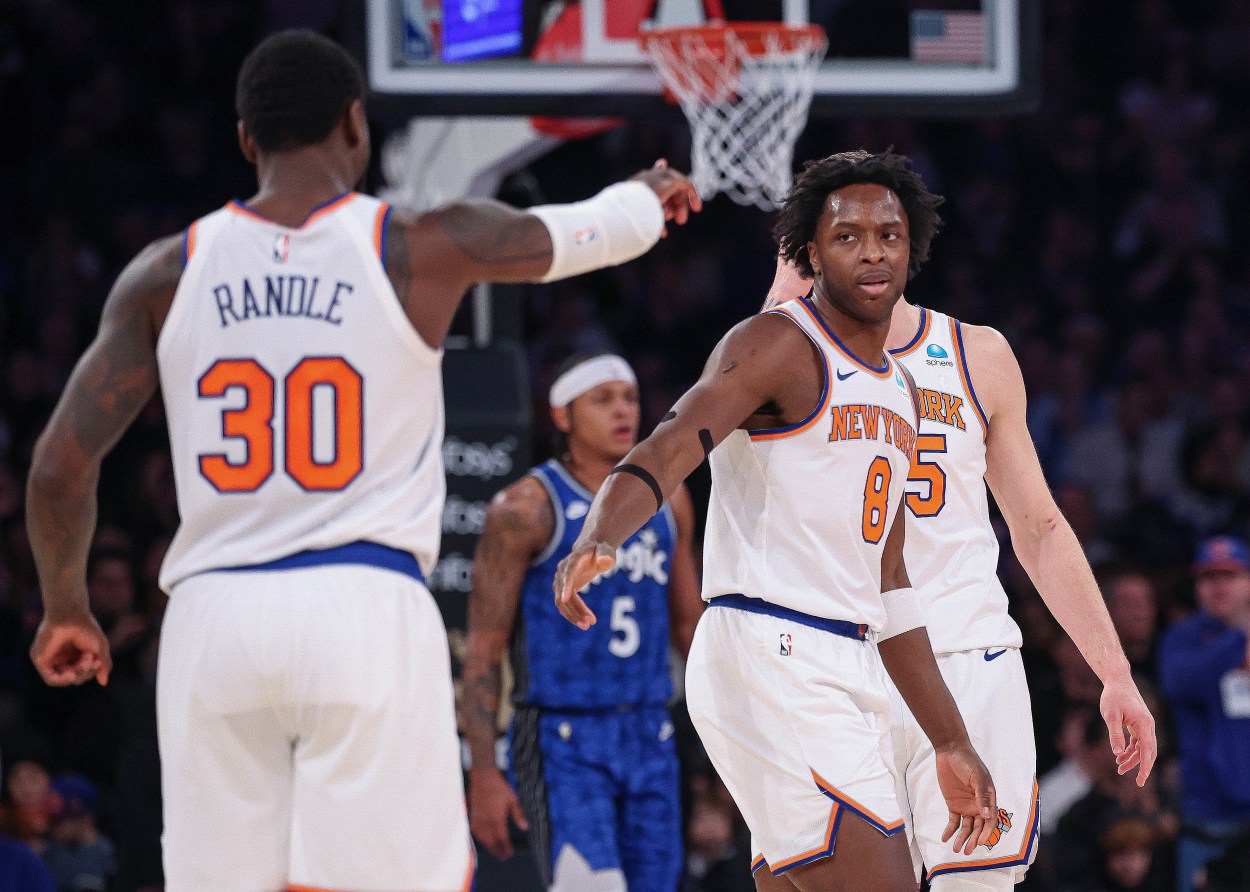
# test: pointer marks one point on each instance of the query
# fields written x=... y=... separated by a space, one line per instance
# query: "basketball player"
x=592 y=744
x=304 y=694
x=810 y=426
x=973 y=432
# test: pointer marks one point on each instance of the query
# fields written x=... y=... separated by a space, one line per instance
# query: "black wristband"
x=645 y=476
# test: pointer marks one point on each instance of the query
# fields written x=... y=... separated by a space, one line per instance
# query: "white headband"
x=587 y=376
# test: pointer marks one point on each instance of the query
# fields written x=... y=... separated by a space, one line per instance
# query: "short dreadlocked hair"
x=796 y=225
x=294 y=87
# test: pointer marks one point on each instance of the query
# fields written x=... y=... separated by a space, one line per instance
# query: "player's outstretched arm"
x=685 y=605
x=432 y=259
x=110 y=385
x=1049 y=550
x=908 y=656
x=751 y=369
x=519 y=524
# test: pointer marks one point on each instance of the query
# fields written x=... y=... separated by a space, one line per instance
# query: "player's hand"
x=71 y=650
x=677 y=194
x=970 y=798
x=491 y=803
x=1122 y=708
x=574 y=573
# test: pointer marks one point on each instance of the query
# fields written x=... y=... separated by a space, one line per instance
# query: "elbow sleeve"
x=622 y=222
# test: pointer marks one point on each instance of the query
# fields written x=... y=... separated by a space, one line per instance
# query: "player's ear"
x=811 y=257
x=247 y=143
x=355 y=124
x=560 y=416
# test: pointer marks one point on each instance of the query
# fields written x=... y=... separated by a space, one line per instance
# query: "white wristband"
x=902 y=612
x=622 y=222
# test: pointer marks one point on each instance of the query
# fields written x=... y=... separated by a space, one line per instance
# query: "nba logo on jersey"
x=585 y=236
x=785 y=644
x=282 y=247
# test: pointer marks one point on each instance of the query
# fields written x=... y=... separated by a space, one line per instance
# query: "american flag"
x=948 y=37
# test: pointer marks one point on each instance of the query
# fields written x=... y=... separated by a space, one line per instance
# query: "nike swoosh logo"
x=989 y=656
x=842 y=377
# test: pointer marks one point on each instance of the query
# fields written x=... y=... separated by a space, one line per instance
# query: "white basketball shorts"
x=990 y=689
x=307 y=735
x=796 y=721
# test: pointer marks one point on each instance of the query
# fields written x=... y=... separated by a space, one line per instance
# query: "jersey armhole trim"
x=381 y=225
x=671 y=519
x=188 y=243
x=778 y=433
x=921 y=333
x=957 y=338
x=557 y=526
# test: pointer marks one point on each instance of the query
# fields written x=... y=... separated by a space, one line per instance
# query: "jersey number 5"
x=253 y=424
x=631 y=636
x=930 y=472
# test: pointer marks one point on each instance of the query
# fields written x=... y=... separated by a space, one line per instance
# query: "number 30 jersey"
x=304 y=410
x=951 y=549
x=799 y=515
x=622 y=660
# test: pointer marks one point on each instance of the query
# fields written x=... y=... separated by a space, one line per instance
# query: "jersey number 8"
x=253 y=424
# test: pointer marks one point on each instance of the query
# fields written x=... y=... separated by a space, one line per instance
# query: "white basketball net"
x=746 y=107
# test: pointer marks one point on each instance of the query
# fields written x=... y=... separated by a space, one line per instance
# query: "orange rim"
x=752 y=35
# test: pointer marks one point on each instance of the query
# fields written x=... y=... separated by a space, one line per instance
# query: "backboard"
x=547 y=57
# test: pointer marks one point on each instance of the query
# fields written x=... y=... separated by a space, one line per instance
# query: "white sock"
x=574 y=874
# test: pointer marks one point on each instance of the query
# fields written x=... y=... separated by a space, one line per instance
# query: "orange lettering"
x=840 y=414
x=872 y=414
x=853 y=431
x=950 y=410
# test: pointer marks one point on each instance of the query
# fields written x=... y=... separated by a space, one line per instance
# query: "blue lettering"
x=273 y=295
x=225 y=303
x=293 y=308
x=334 y=302
x=250 y=307
x=312 y=298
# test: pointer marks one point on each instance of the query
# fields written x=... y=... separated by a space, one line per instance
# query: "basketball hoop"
x=745 y=88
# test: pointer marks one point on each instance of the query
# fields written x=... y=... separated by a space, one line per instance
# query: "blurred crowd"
x=1101 y=234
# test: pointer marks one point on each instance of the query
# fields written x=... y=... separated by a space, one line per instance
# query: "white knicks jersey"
x=305 y=412
x=951 y=550
x=799 y=515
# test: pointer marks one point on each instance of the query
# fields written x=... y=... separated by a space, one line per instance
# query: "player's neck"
x=904 y=323
x=865 y=339
x=588 y=468
x=295 y=183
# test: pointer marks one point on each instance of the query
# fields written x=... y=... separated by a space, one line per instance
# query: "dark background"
x=1103 y=234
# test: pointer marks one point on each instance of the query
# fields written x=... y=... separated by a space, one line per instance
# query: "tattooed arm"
x=110 y=385
x=434 y=258
x=519 y=525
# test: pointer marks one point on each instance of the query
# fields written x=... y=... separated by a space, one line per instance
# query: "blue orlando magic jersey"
x=623 y=658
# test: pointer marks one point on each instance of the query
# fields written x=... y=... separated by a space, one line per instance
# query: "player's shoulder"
x=160 y=263
x=773 y=329
x=987 y=347
x=147 y=285
x=522 y=506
